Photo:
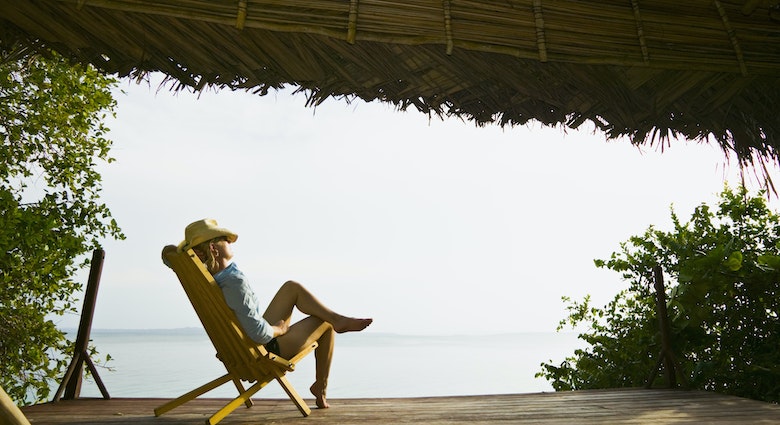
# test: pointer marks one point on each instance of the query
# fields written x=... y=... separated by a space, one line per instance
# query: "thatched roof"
x=642 y=68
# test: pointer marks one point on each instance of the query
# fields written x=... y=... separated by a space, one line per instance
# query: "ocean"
x=168 y=363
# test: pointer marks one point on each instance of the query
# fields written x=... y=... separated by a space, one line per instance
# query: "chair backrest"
x=241 y=356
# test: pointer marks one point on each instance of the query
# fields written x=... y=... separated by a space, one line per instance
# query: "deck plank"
x=624 y=406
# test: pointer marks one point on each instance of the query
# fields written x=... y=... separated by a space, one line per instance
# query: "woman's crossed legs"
x=320 y=326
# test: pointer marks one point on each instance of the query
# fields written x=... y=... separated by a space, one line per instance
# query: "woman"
x=272 y=329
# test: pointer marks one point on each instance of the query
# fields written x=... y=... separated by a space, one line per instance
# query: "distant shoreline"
x=199 y=330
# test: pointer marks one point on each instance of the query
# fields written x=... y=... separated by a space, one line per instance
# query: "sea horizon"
x=168 y=362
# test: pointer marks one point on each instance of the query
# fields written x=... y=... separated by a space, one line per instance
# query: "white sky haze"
x=428 y=226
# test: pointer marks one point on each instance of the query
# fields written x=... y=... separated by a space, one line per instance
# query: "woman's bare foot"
x=350 y=324
x=319 y=395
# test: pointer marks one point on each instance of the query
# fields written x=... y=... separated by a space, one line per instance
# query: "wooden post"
x=666 y=356
x=71 y=382
x=9 y=412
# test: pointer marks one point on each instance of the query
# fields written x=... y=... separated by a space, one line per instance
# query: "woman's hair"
x=203 y=250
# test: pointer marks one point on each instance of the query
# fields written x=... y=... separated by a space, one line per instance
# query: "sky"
x=429 y=226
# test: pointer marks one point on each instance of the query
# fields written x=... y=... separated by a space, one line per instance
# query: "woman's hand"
x=280 y=328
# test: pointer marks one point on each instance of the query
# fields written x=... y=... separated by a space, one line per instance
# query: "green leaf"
x=769 y=260
x=734 y=261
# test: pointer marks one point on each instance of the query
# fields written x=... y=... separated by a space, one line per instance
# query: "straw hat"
x=202 y=231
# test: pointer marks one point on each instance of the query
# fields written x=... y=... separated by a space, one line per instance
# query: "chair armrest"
x=303 y=353
x=289 y=365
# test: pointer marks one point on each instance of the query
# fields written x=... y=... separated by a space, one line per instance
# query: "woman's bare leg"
x=301 y=335
x=293 y=294
x=320 y=326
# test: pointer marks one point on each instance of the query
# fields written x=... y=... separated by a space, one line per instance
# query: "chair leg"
x=294 y=396
x=242 y=398
x=192 y=395
x=240 y=388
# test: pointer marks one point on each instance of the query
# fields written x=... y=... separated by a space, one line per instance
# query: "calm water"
x=168 y=363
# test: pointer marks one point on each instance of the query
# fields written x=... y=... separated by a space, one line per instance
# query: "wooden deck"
x=627 y=406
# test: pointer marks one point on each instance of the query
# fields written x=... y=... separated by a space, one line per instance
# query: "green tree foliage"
x=723 y=289
x=52 y=131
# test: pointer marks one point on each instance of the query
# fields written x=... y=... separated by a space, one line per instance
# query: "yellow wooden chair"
x=244 y=359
